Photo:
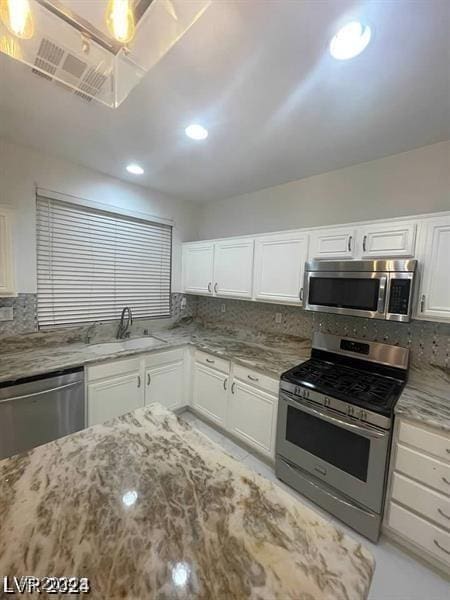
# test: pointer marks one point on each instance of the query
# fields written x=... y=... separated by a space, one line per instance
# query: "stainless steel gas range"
x=335 y=419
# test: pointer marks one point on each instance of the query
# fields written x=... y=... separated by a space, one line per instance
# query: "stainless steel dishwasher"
x=37 y=410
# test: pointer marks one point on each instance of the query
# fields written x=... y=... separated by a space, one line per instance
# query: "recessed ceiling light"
x=350 y=40
x=196 y=132
x=135 y=169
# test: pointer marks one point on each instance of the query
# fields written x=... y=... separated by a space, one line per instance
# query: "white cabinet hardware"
x=7 y=270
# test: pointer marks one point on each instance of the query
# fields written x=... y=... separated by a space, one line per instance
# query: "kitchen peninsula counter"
x=145 y=507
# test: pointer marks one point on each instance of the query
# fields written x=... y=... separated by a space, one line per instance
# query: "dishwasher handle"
x=46 y=391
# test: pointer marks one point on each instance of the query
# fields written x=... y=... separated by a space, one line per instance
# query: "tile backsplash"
x=429 y=342
x=25 y=317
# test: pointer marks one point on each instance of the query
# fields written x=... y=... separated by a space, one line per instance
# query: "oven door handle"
x=363 y=429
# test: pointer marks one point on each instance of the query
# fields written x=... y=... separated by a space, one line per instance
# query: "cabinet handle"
x=149 y=379
x=350 y=238
x=209 y=360
x=233 y=385
x=209 y=287
x=215 y=288
x=436 y=543
x=300 y=295
x=364 y=242
x=253 y=378
x=445 y=480
x=422 y=303
x=441 y=512
x=139 y=381
x=225 y=381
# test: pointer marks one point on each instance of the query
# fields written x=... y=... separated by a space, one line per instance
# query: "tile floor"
x=397 y=575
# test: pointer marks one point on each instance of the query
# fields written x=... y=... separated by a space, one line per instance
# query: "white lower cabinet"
x=252 y=416
x=114 y=396
x=418 y=500
x=166 y=379
x=210 y=393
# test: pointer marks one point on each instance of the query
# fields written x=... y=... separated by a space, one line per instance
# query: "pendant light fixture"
x=16 y=15
x=120 y=20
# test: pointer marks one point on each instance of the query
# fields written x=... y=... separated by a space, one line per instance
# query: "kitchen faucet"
x=122 y=330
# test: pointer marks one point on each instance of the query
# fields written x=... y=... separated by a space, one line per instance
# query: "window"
x=91 y=263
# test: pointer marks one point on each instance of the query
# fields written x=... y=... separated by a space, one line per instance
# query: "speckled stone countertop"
x=426 y=397
x=269 y=354
x=145 y=507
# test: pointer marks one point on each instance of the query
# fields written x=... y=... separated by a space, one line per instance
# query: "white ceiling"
x=258 y=75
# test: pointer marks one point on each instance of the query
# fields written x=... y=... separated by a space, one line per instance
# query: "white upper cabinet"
x=333 y=243
x=7 y=279
x=198 y=264
x=388 y=240
x=279 y=267
x=233 y=268
x=434 y=296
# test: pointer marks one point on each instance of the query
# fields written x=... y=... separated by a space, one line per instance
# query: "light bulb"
x=196 y=132
x=120 y=20
x=350 y=40
x=17 y=16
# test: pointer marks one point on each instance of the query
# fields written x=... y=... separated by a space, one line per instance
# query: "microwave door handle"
x=381 y=305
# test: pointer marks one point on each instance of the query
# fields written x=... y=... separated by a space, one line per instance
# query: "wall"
x=22 y=169
x=428 y=342
x=403 y=184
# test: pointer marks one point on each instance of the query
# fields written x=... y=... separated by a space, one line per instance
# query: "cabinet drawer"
x=212 y=361
x=421 y=499
x=253 y=378
x=434 y=443
x=164 y=358
x=424 y=534
x=113 y=368
x=425 y=469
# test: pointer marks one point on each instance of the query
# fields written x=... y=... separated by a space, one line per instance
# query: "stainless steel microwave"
x=377 y=289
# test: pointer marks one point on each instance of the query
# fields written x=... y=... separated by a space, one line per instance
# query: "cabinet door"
x=114 y=397
x=210 y=393
x=252 y=417
x=279 y=267
x=333 y=243
x=387 y=240
x=198 y=261
x=7 y=284
x=434 y=297
x=166 y=384
x=233 y=268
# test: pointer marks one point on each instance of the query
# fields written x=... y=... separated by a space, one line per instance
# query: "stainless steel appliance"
x=378 y=289
x=37 y=410
x=335 y=418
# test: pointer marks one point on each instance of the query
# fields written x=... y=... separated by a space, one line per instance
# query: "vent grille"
x=72 y=72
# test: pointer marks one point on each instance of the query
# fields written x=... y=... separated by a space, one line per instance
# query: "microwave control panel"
x=399 y=296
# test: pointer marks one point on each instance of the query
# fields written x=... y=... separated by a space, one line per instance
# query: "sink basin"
x=122 y=345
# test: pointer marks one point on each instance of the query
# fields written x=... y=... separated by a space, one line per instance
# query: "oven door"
x=360 y=294
x=348 y=455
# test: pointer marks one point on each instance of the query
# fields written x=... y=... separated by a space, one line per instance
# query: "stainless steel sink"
x=122 y=345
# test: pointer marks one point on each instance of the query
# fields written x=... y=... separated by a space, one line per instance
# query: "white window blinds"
x=90 y=264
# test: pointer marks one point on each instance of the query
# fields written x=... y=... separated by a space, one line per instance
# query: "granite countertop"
x=145 y=507
x=269 y=354
x=426 y=397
